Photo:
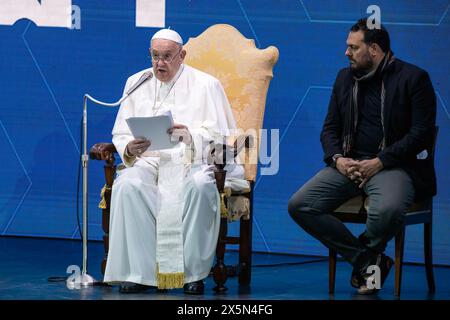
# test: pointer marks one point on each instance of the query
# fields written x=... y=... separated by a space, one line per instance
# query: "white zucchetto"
x=168 y=34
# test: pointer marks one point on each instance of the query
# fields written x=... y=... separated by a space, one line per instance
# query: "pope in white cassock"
x=165 y=207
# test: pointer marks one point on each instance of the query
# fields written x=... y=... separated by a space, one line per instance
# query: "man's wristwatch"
x=334 y=158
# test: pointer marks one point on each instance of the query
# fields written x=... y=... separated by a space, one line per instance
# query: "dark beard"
x=362 y=70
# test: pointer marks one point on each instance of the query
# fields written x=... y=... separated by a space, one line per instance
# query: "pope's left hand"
x=180 y=132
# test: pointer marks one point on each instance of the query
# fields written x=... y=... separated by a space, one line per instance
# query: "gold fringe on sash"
x=169 y=280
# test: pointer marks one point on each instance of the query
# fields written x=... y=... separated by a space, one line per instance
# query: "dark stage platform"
x=27 y=263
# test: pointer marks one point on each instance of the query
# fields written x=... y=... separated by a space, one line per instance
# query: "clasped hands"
x=178 y=132
x=359 y=171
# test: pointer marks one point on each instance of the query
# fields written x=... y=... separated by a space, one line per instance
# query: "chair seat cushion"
x=238 y=207
x=355 y=210
x=356 y=205
x=238 y=202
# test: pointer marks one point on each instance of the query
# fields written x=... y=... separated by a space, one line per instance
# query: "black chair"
x=354 y=211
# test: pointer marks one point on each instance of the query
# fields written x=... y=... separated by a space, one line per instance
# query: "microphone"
x=84 y=279
x=145 y=76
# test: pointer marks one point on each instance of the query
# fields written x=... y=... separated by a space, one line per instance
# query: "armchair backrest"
x=243 y=70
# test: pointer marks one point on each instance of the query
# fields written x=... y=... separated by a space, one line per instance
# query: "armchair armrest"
x=102 y=151
x=241 y=142
x=221 y=153
x=105 y=151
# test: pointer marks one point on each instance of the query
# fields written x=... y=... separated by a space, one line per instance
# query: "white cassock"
x=198 y=101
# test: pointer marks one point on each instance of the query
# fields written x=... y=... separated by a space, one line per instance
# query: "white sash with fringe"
x=169 y=227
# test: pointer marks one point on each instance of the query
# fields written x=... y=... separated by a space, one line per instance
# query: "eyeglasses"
x=166 y=58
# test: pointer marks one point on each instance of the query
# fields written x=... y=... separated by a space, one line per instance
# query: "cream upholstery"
x=244 y=71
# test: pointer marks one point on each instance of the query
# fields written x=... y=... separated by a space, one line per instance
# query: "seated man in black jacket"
x=376 y=138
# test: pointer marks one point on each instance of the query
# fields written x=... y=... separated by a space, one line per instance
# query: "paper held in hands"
x=154 y=129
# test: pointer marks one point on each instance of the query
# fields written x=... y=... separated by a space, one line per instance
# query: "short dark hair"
x=378 y=36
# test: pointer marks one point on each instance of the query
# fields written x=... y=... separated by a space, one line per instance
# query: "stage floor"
x=27 y=263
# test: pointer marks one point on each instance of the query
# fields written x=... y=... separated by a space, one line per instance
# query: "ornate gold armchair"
x=245 y=73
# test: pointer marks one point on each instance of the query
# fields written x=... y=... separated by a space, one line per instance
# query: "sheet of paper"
x=154 y=129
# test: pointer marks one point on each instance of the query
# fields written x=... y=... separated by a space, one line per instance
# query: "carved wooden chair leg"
x=332 y=271
x=399 y=247
x=245 y=252
x=110 y=171
x=427 y=246
x=220 y=269
x=105 y=255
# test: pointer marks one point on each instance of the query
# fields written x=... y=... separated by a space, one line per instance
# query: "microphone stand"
x=85 y=279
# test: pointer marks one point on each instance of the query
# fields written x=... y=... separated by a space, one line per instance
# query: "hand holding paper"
x=138 y=146
x=180 y=133
x=154 y=129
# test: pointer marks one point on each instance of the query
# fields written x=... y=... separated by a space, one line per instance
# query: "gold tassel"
x=169 y=280
x=102 y=204
x=223 y=207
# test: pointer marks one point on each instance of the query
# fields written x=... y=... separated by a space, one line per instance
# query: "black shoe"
x=364 y=260
x=357 y=279
x=196 y=287
x=134 y=288
x=385 y=264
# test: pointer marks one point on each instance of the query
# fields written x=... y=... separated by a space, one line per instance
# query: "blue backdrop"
x=44 y=72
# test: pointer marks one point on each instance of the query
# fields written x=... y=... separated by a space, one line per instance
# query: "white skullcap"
x=168 y=34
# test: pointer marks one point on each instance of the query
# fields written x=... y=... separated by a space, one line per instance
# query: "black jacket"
x=409 y=121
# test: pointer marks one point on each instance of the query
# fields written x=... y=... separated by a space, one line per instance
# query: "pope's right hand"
x=138 y=146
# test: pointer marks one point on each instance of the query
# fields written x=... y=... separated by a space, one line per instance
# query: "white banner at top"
x=44 y=13
x=151 y=13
